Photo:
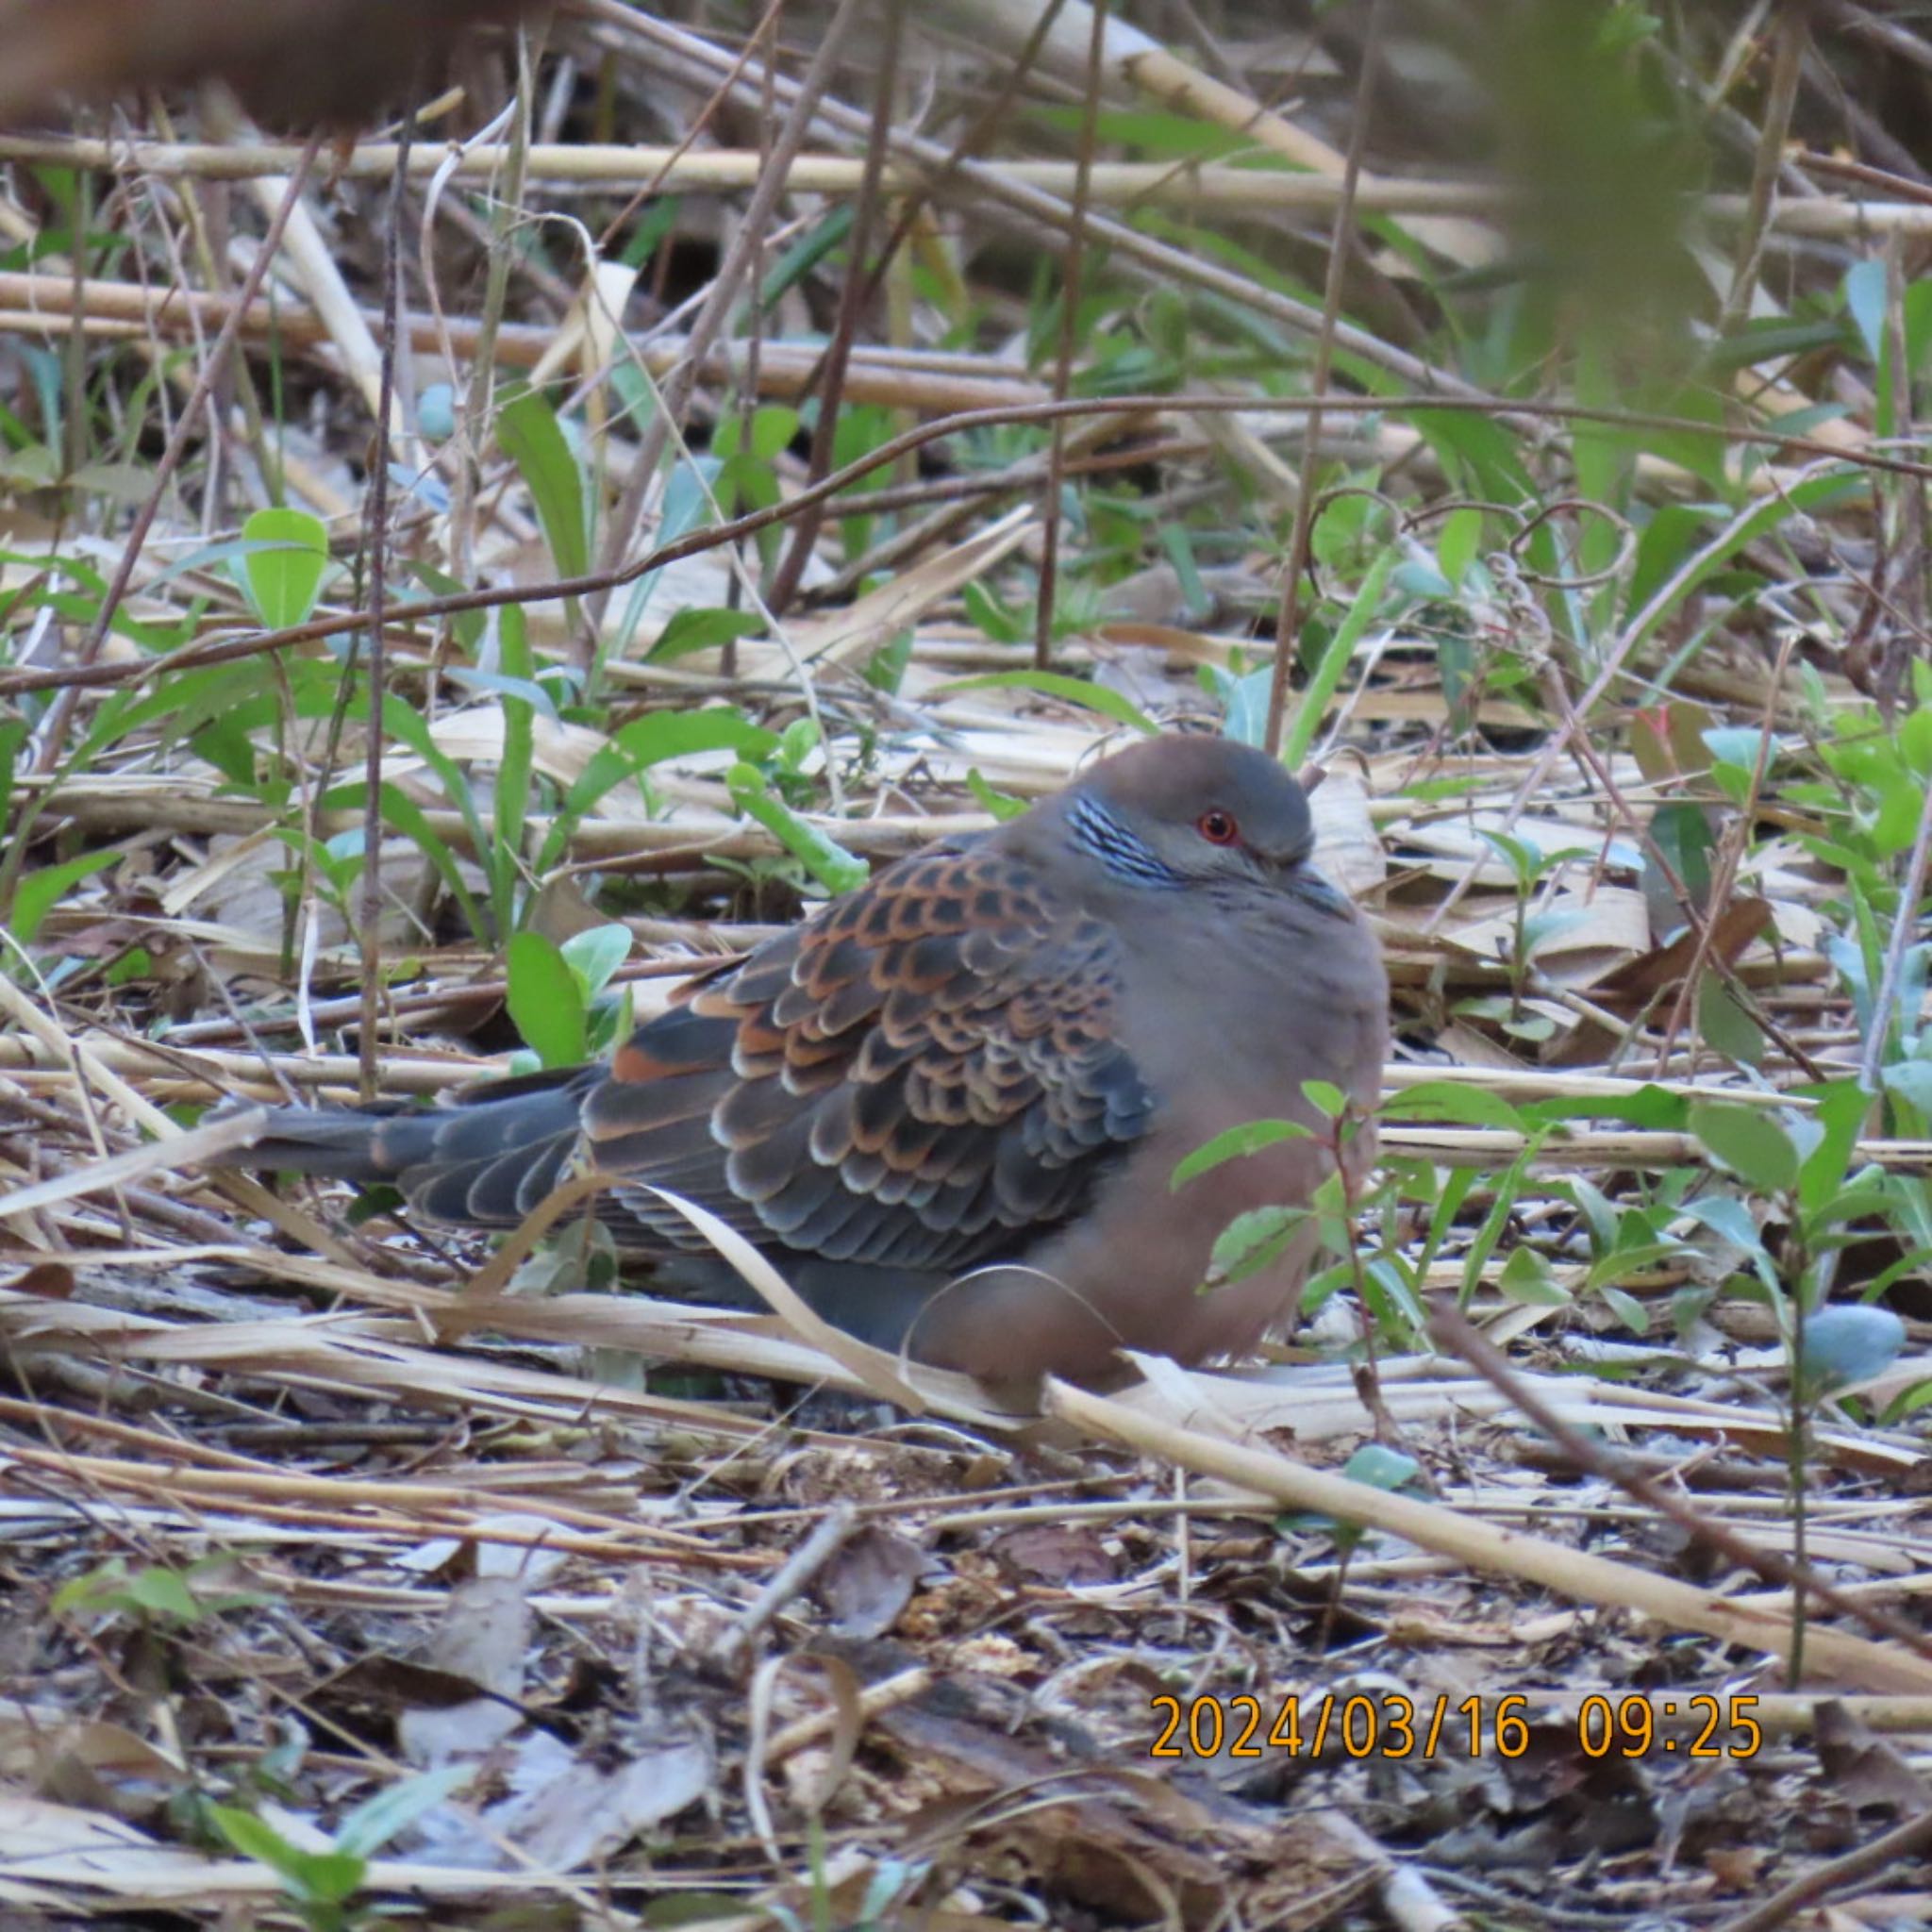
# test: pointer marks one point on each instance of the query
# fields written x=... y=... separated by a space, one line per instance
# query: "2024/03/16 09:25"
x=1392 y=1725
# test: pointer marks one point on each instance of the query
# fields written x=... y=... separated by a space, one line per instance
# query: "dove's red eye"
x=1218 y=827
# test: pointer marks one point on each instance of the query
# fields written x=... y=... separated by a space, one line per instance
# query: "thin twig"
x=1287 y=621
x=709 y=325
x=964 y=422
x=370 y=936
x=831 y=1533
x=1788 y=64
x=1903 y=929
x=1902 y=1844
x=828 y=379
x=1456 y=1334
x=1074 y=255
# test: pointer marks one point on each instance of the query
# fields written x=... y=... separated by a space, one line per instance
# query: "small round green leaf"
x=596 y=954
x=1381 y=1467
x=283 y=575
x=1845 y=1345
x=1749 y=1142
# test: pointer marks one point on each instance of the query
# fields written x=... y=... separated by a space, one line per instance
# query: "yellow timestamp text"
x=1395 y=1727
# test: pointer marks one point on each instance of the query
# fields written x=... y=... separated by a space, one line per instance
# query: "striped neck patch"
x=1122 y=852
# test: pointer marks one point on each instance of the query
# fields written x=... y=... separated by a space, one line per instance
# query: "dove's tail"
x=486 y=1159
x=349 y=1143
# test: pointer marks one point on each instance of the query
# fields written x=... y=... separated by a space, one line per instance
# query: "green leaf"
x=283 y=575
x=1665 y=542
x=1543 y=929
x=773 y=426
x=1243 y=700
x=1004 y=626
x=1848 y=1345
x=1909 y=1402
x=374 y=1823
x=1868 y=1198
x=1774 y=339
x=512 y=795
x=1314 y=701
x=1526 y=1279
x=689 y=494
x=1074 y=690
x=1325 y=1097
x=163 y=1592
x=835 y=868
x=1748 y=1142
x=1865 y=297
x=1737 y=745
x=468 y=625
x=13 y=735
x=227 y=747
x=1457 y=542
x=1250 y=1242
x=1526 y=862
x=1392 y=1297
x=884 y=669
x=698 y=629
x=1650 y=1107
x=745 y=484
x=1634 y=1314
x=1381 y=1467
x=546 y=1000
x=1623 y=1263
x=254 y=1840
x=404 y=722
x=1815 y=493
x=1728 y=1218
x=326 y=1879
x=1001 y=804
x=1507 y=1188
x=1683 y=836
x=796 y=743
x=596 y=954
x=1842 y=1106
x=1725 y=1026
x=1595 y=1206
x=1915 y=741
x=1532 y=1026
x=806 y=254
x=1249 y=1138
x=92 y=1591
x=315 y=1877
x=1450 y=1100
x=401 y=813
x=39 y=892
x=1494 y=468
x=533 y=439
x=645 y=741
x=1911 y=1080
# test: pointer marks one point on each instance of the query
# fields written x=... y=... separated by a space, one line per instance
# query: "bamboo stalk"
x=1216 y=185
x=928 y=379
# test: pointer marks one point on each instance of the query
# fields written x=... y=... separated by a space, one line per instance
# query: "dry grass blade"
x=199 y=1144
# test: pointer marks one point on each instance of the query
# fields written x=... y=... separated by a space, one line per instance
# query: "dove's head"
x=1184 y=812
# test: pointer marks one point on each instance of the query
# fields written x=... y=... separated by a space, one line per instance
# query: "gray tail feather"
x=345 y=1143
x=395 y=1141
